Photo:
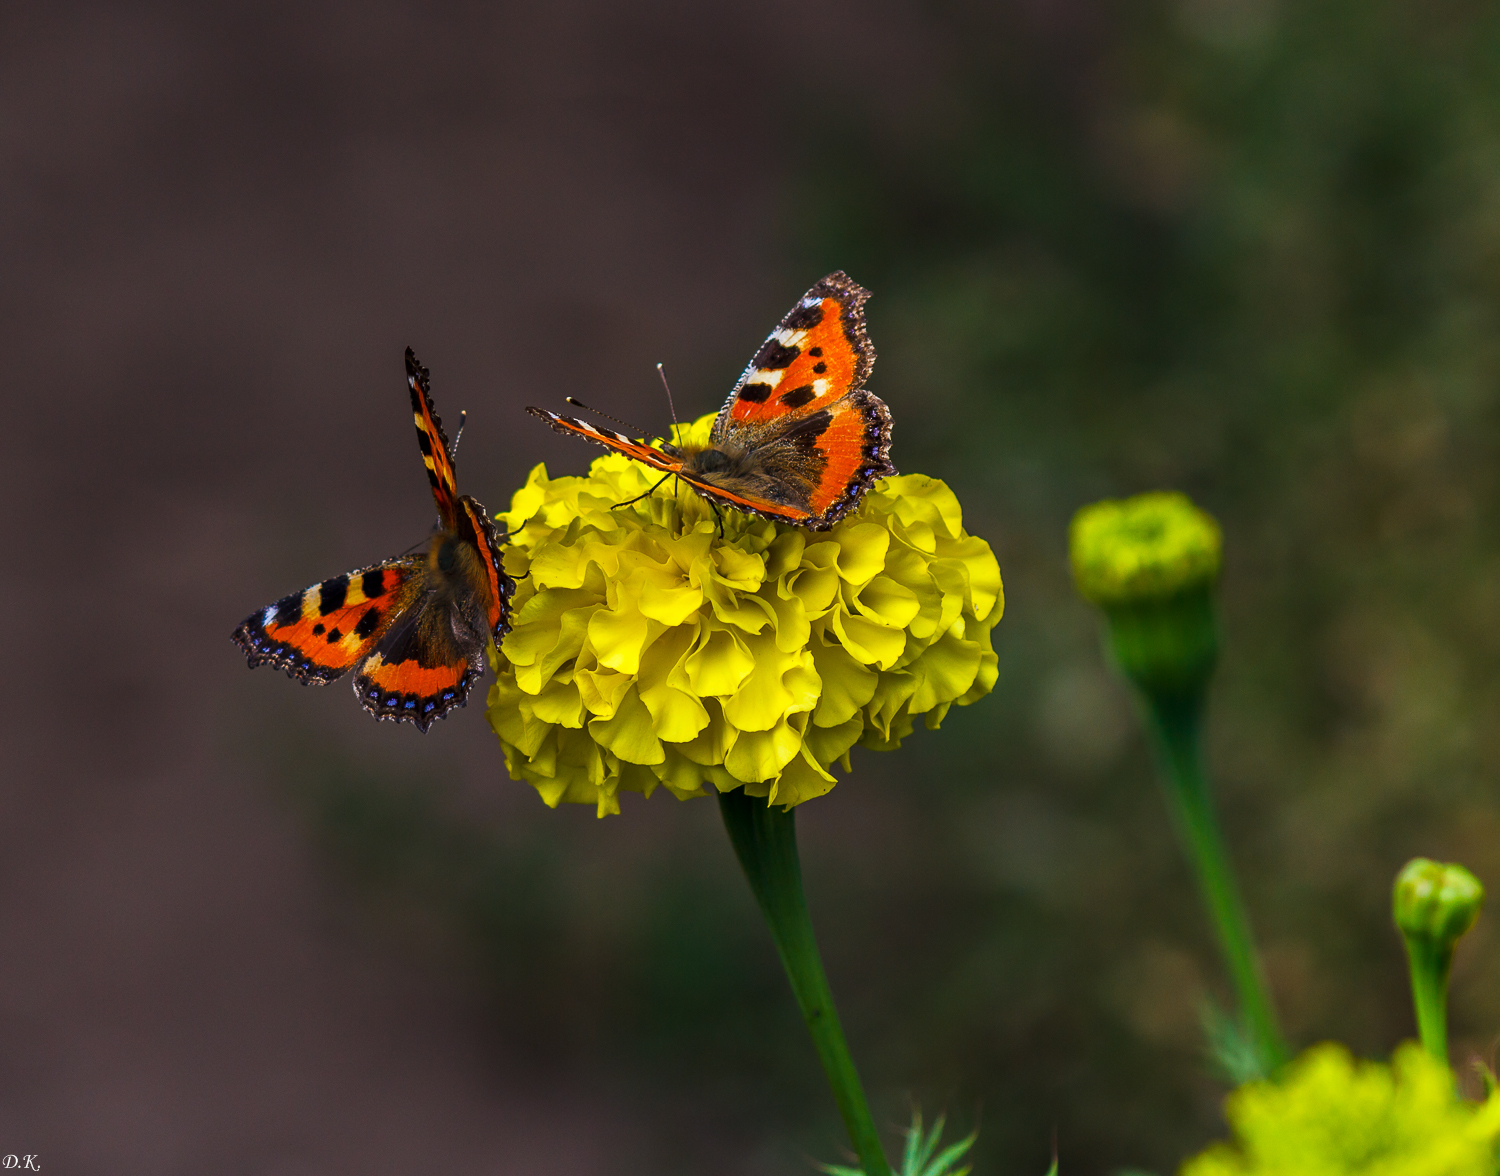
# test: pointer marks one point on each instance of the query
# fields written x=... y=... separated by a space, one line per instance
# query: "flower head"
x=1143 y=548
x=1330 y=1115
x=646 y=649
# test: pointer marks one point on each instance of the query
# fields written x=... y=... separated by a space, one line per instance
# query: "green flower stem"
x=1175 y=725
x=765 y=841
x=1430 y=964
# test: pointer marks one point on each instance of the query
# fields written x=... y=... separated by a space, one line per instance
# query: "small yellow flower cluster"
x=1330 y=1115
x=646 y=649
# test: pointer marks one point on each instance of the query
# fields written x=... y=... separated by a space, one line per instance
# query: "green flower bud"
x=1435 y=902
x=1150 y=563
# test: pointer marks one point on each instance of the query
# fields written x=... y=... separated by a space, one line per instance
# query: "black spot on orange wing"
x=288 y=610
x=755 y=393
x=797 y=397
x=372 y=584
x=773 y=355
x=332 y=594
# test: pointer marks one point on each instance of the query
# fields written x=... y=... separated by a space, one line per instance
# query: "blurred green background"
x=1249 y=249
x=1246 y=249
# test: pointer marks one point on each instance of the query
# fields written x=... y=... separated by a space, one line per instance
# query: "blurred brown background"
x=1238 y=247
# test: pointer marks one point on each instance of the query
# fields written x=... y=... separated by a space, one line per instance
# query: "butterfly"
x=413 y=628
x=800 y=439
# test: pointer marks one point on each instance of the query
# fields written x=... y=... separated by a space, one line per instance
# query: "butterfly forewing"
x=436 y=454
x=320 y=633
x=642 y=451
x=819 y=352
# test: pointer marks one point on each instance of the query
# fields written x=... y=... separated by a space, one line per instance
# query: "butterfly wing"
x=619 y=442
x=475 y=525
x=437 y=454
x=320 y=633
x=805 y=437
x=424 y=664
x=430 y=655
x=819 y=352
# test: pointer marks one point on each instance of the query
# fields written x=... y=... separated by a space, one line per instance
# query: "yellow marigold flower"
x=645 y=649
x=1330 y=1115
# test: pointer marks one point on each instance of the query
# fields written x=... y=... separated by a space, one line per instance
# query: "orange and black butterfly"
x=414 y=628
x=800 y=439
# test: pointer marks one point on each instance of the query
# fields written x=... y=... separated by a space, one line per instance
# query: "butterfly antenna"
x=662 y=372
x=453 y=445
x=576 y=403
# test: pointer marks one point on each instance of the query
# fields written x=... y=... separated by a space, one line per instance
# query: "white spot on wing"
x=771 y=376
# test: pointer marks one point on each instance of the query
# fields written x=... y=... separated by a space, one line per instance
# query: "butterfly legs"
x=638 y=497
x=718 y=514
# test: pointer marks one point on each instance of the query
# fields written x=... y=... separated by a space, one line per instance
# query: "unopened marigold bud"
x=1436 y=902
x=1150 y=563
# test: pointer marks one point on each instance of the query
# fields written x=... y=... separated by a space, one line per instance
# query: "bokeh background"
x=1245 y=248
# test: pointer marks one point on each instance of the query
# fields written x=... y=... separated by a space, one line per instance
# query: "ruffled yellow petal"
x=1329 y=1114
x=648 y=649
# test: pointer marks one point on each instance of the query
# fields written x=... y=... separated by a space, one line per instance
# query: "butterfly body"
x=799 y=440
x=413 y=628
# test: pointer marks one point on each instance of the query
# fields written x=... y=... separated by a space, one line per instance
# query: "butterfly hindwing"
x=475 y=524
x=424 y=664
x=319 y=634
